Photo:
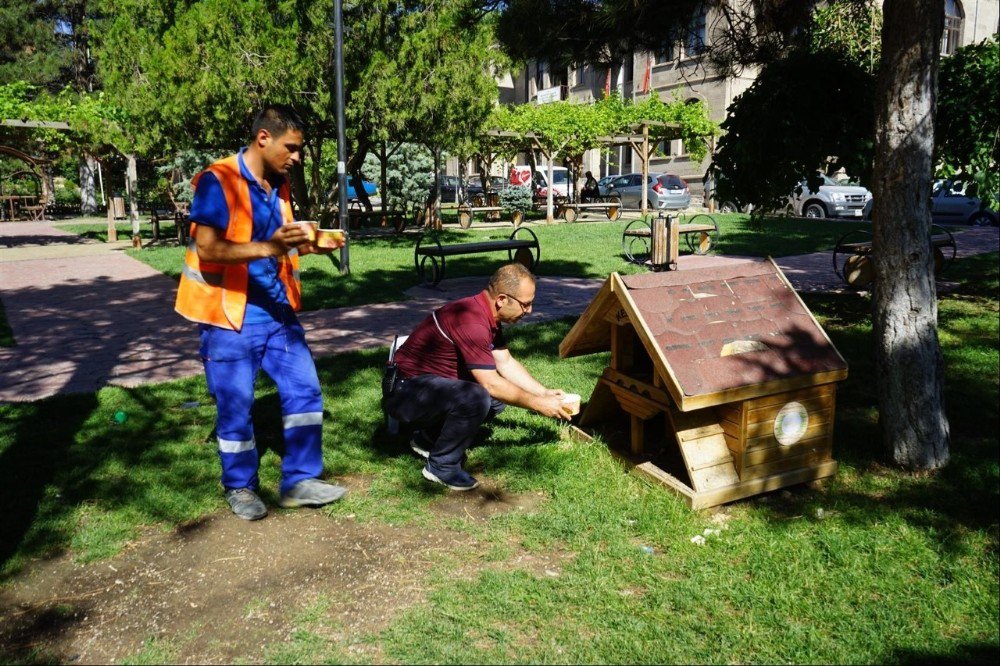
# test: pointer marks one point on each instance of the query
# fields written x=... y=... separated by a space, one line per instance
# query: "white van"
x=521 y=174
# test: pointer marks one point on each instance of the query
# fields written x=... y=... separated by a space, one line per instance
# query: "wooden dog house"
x=724 y=365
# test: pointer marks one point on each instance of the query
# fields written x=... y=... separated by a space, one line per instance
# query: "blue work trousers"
x=232 y=360
x=449 y=411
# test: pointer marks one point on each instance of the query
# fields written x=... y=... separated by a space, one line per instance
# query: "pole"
x=338 y=59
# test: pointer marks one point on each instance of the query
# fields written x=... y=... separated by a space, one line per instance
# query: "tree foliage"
x=92 y=120
x=44 y=43
x=968 y=117
x=799 y=112
x=191 y=75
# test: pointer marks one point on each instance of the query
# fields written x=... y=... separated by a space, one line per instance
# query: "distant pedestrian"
x=591 y=191
x=240 y=283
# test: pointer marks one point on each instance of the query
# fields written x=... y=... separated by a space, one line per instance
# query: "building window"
x=954 y=17
x=540 y=68
x=666 y=54
x=694 y=42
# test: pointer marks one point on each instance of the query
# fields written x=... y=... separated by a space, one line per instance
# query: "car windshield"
x=560 y=177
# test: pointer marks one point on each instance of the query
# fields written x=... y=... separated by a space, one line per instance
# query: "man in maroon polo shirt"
x=454 y=372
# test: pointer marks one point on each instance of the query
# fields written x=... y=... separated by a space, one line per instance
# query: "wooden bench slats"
x=473 y=248
x=683 y=229
x=432 y=258
x=936 y=241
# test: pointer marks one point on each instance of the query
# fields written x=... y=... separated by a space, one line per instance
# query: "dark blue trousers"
x=448 y=411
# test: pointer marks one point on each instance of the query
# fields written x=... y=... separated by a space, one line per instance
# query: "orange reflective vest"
x=216 y=294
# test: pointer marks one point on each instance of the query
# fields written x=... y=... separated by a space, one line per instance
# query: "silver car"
x=833 y=199
x=664 y=191
x=954 y=202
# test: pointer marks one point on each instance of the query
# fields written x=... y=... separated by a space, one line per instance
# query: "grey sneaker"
x=312 y=492
x=245 y=504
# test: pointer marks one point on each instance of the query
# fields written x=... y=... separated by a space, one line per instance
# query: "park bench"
x=540 y=202
x=612 y=208
x=178 y=214
x=852 y=256
x=430 y=260
x=699 y=234
x=385 y=218
x=467 y=213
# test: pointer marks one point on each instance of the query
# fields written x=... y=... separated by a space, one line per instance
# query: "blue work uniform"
x=271 y=338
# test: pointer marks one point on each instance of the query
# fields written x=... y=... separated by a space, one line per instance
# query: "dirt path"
x=222 y=590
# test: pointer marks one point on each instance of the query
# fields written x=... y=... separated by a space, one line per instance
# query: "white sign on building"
x=549 y=95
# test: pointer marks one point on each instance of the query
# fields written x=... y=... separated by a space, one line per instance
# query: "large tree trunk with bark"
x=88 y=183
x=910 y=369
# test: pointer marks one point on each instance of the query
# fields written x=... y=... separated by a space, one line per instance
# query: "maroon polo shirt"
x=474 y=332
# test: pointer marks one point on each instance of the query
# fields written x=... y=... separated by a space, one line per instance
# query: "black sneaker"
x=245 y=504
x=456 y=480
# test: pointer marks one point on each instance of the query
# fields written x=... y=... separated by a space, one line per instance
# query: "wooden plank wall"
x=749 y=432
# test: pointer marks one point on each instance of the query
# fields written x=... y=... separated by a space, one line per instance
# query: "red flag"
x=647 y=74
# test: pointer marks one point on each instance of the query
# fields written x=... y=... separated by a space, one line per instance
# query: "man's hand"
x=551 y=406
x=559 y=393
x=289 y=236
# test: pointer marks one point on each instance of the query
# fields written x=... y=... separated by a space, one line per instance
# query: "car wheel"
x=814 y=211
x=981 y=219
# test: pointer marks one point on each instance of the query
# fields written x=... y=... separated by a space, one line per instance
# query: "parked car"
x=832 y=199
x=664 y=191
x=449 y=184
x=953 y=201
x=497 y=183
x=371 y=189
x=602 y=184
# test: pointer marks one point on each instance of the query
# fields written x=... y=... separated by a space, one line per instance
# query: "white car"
x=833 y=199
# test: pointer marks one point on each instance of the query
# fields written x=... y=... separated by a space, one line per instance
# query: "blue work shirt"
x=266 y=297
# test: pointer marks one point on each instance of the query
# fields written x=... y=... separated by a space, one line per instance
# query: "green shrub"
x=515 y=198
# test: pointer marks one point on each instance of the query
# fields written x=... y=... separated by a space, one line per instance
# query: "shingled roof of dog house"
x=730 y=354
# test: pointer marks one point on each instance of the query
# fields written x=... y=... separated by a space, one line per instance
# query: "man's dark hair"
x=508 y=278
x=277 y=119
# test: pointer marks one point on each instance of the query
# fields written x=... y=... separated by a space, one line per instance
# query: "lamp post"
x=338 y=66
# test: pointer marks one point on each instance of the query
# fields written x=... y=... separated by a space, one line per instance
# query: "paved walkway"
x=86 y=315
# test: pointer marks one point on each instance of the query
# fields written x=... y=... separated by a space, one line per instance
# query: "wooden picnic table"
x=13 y=204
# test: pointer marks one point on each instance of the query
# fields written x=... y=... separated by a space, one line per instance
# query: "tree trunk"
x=88 y=183
x=383 y=163
x=910 y=369
x=132 y=190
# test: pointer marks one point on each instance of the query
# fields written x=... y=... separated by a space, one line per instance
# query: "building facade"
x=679 y=71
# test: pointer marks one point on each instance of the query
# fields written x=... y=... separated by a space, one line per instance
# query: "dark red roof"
x=693 y=314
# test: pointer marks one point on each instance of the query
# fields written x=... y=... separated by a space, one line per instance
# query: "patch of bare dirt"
x=486 y=501
x=222 y=589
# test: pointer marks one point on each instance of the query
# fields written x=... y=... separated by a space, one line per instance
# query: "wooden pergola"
x=639 y=142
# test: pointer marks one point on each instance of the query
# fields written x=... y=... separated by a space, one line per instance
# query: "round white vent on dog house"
x=791 y=423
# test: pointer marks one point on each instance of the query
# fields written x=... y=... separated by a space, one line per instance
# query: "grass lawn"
x=382 y=266
x=878 y=566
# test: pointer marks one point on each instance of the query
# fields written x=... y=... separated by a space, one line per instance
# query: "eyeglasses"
x=524 y=306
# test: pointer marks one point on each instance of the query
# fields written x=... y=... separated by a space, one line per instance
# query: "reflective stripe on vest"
x=216 y=294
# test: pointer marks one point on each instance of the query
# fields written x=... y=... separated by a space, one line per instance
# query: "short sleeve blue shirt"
x=266 y=297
